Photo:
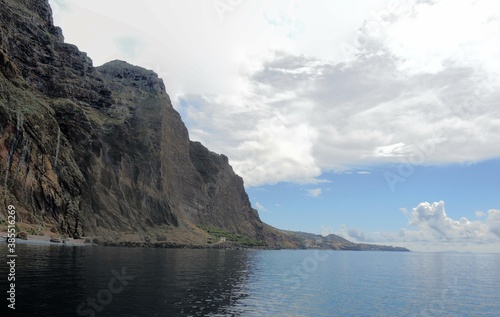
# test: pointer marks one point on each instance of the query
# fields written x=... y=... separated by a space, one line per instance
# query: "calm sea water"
x=105 y=281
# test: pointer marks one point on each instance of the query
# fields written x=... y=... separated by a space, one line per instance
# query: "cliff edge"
x=100 y=151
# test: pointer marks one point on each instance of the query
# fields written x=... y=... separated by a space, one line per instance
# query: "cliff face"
x=100 y=150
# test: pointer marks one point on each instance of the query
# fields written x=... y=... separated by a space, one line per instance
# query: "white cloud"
x=433 y=223
x=397 y=149
x=479 y=214
x=283 y=101
x=463 y=39
x=363 y=173
x=430 y=228
x=298 y=116
x=194 y=47
x=315 y=192
x=493 y=221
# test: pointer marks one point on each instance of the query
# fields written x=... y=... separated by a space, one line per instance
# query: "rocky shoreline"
x=173 y=245
x=47 y=240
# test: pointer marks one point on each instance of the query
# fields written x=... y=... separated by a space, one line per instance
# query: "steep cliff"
x=100 y=151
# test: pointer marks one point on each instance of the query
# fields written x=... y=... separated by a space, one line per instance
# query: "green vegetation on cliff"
x=218 y=233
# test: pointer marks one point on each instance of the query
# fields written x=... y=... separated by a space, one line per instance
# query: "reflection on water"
x=103 y=281
x=58 y=281
x=194 y=282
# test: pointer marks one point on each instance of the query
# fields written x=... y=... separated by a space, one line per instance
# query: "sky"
x=374 y=120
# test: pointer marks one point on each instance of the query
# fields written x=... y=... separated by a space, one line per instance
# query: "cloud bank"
x=289 y=90
x=429 y=227
x=423 y=73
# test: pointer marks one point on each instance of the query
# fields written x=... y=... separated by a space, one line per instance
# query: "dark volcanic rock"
x=133 y=79
x=94 y=151
x=54 y=68
x=227 y=205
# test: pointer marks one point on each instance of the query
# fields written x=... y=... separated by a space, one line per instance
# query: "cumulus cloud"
x=413 y=79
x=430 y=225
x=433 y=223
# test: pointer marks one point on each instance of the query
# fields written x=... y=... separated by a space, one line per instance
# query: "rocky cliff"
x=100 y=151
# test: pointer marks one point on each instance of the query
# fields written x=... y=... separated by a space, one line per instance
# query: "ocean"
x=111 y=281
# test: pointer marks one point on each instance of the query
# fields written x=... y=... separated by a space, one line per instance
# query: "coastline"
x=46 y=240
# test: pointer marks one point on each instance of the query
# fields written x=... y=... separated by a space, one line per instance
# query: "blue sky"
x=374 y=120
x=367 y=202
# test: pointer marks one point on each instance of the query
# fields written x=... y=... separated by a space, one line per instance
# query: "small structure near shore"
x=55 y=240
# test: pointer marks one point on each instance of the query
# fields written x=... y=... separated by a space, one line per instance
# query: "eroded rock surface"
x=96 y=150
